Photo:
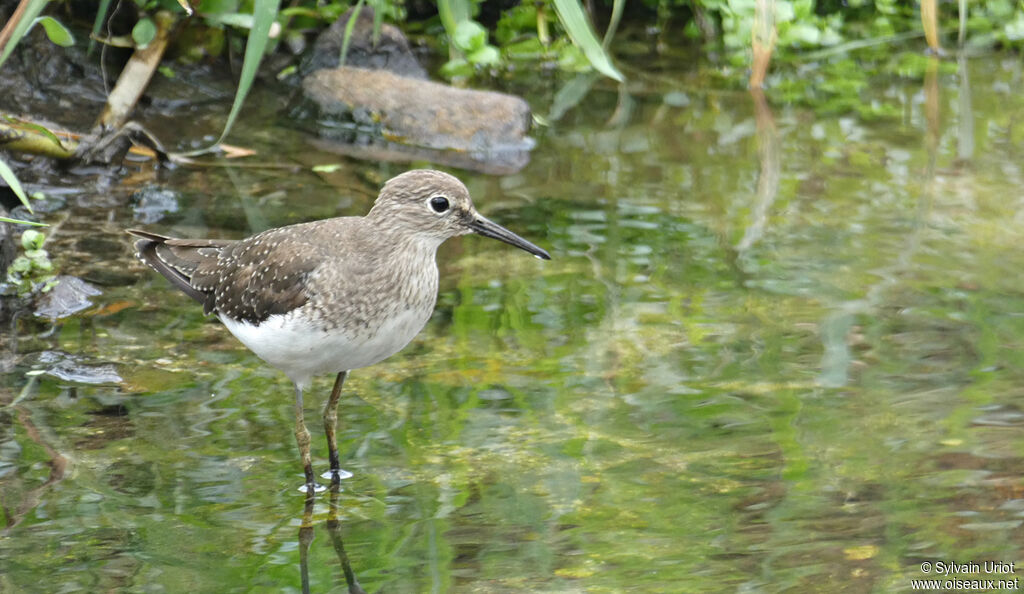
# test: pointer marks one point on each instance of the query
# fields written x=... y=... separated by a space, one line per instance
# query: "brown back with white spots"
x=247 y=280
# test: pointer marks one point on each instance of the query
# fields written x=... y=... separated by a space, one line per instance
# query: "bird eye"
x=439 y=204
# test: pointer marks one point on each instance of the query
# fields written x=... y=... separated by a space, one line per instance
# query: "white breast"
x=301 y=350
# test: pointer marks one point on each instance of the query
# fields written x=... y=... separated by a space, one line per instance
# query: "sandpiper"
x=333 y=295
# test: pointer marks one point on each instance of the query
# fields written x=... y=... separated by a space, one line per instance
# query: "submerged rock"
x=69 y=296
x=73 y=368
x=152 y=203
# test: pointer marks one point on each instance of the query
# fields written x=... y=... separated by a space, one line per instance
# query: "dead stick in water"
x=136 y=75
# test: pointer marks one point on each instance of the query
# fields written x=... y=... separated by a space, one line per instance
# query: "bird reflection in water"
x=333 y=525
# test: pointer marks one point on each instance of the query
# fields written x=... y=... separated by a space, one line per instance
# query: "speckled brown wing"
x=247 y=280
x=260 y=276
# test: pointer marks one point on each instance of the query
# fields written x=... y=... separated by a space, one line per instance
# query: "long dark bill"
x=495 y=231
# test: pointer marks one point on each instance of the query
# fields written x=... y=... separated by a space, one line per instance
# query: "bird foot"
x=339 y=474
x=317 y=488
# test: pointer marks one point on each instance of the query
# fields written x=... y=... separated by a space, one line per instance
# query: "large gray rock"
x=380 y=106
x=419 y=112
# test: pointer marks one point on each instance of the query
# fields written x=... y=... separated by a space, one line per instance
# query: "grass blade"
x=574 y=19
x=21 y=222
x=264 y=12
x=101 y=13
x=349 y=27
x=7 y=174
x=378 y=18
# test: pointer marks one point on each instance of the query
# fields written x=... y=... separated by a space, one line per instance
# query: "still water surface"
x=777 y=349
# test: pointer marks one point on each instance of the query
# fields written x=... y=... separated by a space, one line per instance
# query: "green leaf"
x=527 y=49
x=572 y=59
x=830 y=36
x=784 y=12
x=144 y=32
x=231 y=19
x=49 y=283
x=301 y=11
x=470 y=36
x=32 y=240
x=514 y=22
x=999 y=9
x=42 y=130
x=327 y=167
x=453 y=12
x=287 y=71
x=574 y=19
x=457 y=67
x=804 y=32
x=56 y=32
x=485 y=56
x=42 y=264
x=803 y=9
x=20 y=265
x=12 y=181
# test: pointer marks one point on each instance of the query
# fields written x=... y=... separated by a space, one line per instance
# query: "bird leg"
x=330 y=425
x=302 y=436
x=331 y=421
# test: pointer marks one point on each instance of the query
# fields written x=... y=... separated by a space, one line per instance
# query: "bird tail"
x=178 y=259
